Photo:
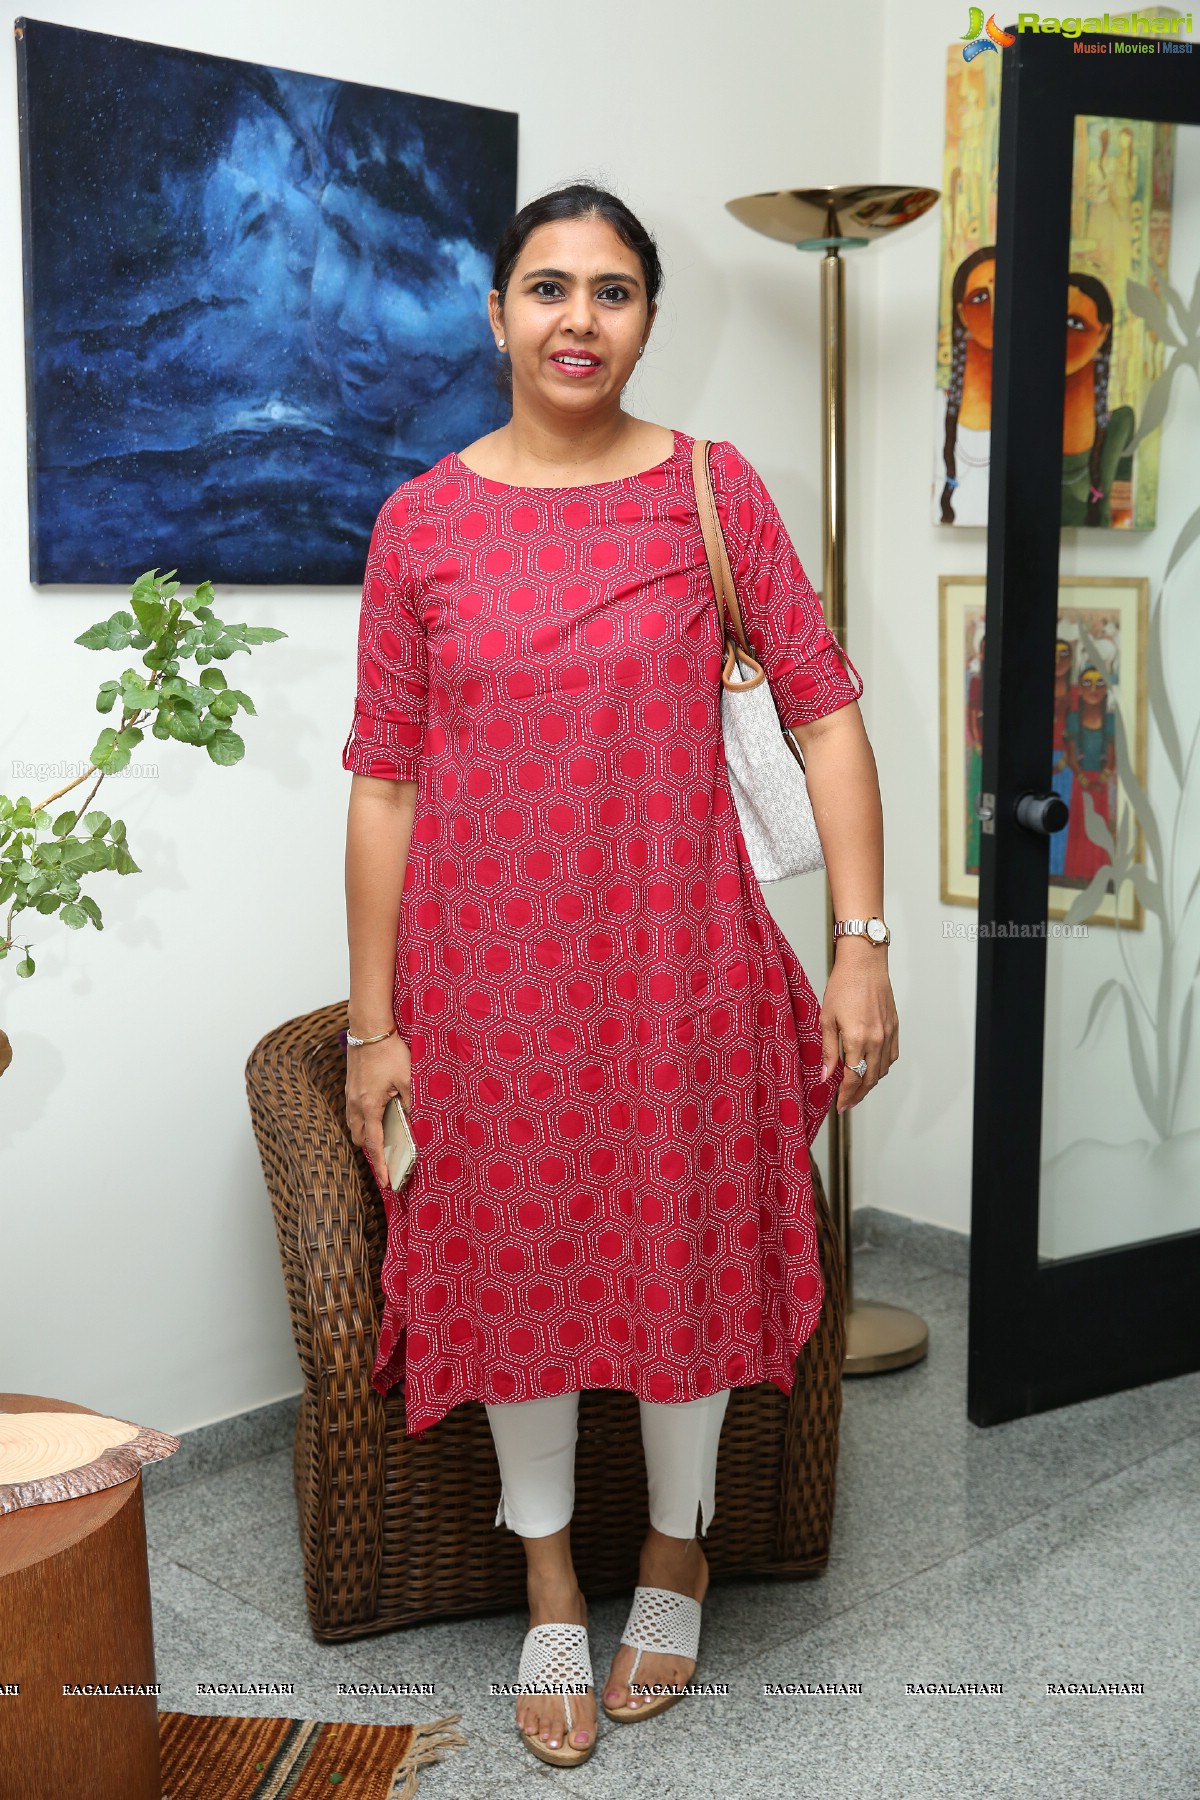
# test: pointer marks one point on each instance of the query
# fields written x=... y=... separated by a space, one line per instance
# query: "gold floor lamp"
x=830 y=220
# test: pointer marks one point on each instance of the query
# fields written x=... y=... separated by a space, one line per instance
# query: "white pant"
x=535 y=1447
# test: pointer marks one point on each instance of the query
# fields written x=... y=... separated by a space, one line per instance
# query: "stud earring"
x=499 y=343
x=641 y=347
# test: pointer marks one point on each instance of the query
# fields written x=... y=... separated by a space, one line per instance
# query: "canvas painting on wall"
x=255 y=302
x=1120 y=233
x=1100 y=664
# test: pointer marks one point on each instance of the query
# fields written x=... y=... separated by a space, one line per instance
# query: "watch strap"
x=858 y=928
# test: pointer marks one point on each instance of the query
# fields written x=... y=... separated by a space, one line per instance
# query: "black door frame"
x=1045 y=1334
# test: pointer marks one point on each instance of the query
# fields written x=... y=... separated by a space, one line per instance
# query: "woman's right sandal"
x=665 y=1623
x=557 y=1654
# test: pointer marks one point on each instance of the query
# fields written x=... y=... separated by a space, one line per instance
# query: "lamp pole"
x=829 y=220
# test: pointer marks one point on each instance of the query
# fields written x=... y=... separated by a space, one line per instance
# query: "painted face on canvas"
x=975 y=307
x=395 y=311
x=1085 y=332
x=259 y=216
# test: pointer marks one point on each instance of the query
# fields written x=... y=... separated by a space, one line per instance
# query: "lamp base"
x=879 y=1337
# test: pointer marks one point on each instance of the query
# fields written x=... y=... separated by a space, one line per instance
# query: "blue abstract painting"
x=255 y=302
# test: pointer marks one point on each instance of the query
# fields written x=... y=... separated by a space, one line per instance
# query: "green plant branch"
x=45 y=872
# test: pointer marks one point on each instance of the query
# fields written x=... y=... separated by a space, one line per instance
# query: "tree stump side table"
x=75 y=1609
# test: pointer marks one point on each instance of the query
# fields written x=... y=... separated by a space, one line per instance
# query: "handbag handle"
x=720 y=571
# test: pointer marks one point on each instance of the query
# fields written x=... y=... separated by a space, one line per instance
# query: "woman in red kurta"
x=615 y=1062
x=616 y=1057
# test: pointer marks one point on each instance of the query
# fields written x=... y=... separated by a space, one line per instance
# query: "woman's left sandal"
x=666 y=1624
x=559 y=1654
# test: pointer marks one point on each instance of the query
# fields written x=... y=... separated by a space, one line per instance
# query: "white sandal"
x=557 y=1654
x=664 y=1623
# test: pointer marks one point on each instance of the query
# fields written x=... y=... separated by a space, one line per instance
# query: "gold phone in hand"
x=399 y=1150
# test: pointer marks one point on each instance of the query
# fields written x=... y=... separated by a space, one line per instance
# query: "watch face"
x=876 y=930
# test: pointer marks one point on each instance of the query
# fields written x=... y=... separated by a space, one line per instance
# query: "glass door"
x=1085 y=1246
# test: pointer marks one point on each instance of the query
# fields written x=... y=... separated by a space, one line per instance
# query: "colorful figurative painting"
x=1099 y=669
x=1120 y=233
x=255 y=302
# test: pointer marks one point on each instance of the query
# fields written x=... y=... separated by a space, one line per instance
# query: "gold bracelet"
x=357 y=1042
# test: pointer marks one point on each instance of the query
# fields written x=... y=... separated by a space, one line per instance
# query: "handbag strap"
x=714 y=543
x=722 y=574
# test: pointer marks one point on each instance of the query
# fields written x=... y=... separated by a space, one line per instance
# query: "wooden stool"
x=75 y=1608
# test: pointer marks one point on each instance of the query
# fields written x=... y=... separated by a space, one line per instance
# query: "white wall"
x=142 y=1273
x=912 y=1140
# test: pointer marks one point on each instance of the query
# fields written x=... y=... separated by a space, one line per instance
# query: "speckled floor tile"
x=1055 y=1547
x=238 y=1528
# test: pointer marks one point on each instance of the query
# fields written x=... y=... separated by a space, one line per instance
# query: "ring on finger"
x=860 y=1068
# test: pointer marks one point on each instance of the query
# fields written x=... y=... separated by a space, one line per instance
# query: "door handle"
x=1043 y=813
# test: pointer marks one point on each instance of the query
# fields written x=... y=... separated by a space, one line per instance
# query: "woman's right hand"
x=374 y=1072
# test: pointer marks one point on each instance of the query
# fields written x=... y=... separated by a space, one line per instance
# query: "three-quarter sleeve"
x=391 y=702
x=808 y=672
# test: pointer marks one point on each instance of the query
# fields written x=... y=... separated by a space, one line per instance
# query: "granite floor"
x=1062 y=1548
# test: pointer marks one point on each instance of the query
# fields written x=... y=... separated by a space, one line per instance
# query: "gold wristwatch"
x=874 y=930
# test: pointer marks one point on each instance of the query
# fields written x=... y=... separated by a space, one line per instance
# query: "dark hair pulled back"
x=577 y=200
x=958 y=364
x=1094 y=288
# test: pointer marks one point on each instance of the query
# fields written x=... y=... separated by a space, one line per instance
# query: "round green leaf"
x=226 y=748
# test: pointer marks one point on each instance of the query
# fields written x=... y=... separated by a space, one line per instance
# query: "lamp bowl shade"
x=817 y=216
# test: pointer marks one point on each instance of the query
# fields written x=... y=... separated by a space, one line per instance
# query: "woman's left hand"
x=859 y=1005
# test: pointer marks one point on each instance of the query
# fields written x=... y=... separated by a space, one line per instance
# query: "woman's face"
x=395 y=311
x=975 y=307
x=1085 y=333
x=574 y=316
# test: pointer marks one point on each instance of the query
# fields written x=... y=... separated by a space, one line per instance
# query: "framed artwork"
x=255 y=303
x=1122 y=177
x=1100 y=673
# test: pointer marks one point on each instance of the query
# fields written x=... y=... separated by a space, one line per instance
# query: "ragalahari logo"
x=983 y=37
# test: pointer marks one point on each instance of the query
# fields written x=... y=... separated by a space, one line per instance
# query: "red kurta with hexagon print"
x=615 y=1052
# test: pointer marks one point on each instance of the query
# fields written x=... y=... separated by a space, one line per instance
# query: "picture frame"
x=1120 y=231
x=1111 y=611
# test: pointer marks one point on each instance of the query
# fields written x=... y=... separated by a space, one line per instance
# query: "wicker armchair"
x=396 y=1530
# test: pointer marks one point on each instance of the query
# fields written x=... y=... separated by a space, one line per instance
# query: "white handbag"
x=766 y=768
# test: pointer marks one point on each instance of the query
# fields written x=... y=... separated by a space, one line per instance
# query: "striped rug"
x=296 y=1759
